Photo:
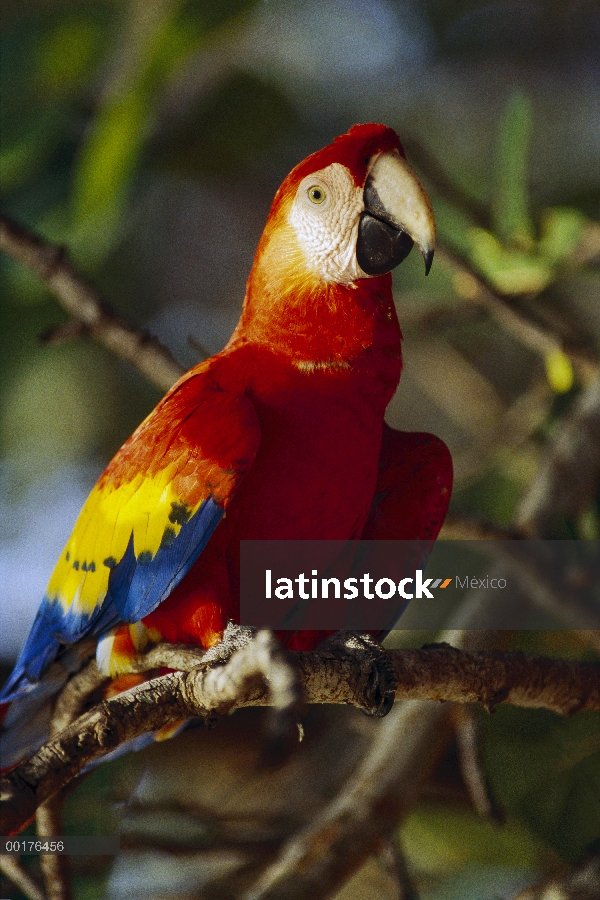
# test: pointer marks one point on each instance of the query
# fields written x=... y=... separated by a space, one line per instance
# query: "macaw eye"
x=316 y=194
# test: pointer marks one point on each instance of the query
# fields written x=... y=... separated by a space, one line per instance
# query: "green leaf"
x=67 y=54
x=442 y=839
x=24 y=158
x=512 y=219
x=110 y=154
x=561 y=231
x=510 y=271
x=545 y=769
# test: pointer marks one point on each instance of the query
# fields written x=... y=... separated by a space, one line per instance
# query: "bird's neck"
x=314 y=322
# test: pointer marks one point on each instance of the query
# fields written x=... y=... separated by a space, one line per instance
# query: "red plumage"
x=279 y=436
x=320 y=363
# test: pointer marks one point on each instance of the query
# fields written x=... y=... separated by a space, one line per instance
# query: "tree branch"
x=540 y=335
x=468 y=742
x=56 y=868
x=582 y=882
x=539 y=332
x=11 y=867
x=354 y=825
x=438 y=673
x=550 y=593
x=392 y=857
x=95 y=316
x=570 y=474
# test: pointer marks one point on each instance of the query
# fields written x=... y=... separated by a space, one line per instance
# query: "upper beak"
x=397 y=214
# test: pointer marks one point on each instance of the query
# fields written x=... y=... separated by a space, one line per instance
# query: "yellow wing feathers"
x=146 y=507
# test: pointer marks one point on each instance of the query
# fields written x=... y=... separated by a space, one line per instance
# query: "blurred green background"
x=149 y=136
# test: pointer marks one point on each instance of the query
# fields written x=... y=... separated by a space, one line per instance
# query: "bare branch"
x=50 y=264
x=73 y=696
x=540 y=335
x=570 y=475
x=548 y=593
x=56 y=867
x=202 y=693
x=12 y=869
x=582 y=882
x=392 y=856
x=320 y=857
x=435 y=673
x=539 y=332
x=469 y=756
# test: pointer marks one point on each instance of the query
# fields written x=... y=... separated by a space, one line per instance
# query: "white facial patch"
x=325 y=216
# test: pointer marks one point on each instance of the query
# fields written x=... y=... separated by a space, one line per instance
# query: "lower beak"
x=397 y=214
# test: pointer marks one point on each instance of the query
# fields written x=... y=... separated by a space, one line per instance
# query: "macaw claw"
x=261 y=654
x=378 y=679
x=234 y=638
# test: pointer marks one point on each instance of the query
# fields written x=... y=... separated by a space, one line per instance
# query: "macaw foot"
x=234 y=638
x=379 y=678
x=257 y=655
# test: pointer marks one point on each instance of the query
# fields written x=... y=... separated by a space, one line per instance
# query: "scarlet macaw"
x=279 y=436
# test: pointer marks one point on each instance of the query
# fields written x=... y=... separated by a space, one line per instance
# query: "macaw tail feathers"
x=26 y=706
x=26 y=720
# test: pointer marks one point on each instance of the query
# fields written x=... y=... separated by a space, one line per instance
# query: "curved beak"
x=397 y=214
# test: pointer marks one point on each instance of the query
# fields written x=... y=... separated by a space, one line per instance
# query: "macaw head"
x=358 y=207
x=343 y=218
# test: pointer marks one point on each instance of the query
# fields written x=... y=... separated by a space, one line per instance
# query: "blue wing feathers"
x=137 y=587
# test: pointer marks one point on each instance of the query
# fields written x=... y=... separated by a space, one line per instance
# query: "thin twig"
x=74 y=695
x=50 y=264
x=13 y=870
x=468 y=743
x=548 y=592
x=394 y=861
x=540 y=335
x=56 y=868
x=570 y=475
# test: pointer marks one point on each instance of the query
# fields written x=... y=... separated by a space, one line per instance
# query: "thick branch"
x=438 y=672
x=434 y=673
x=51 y=265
